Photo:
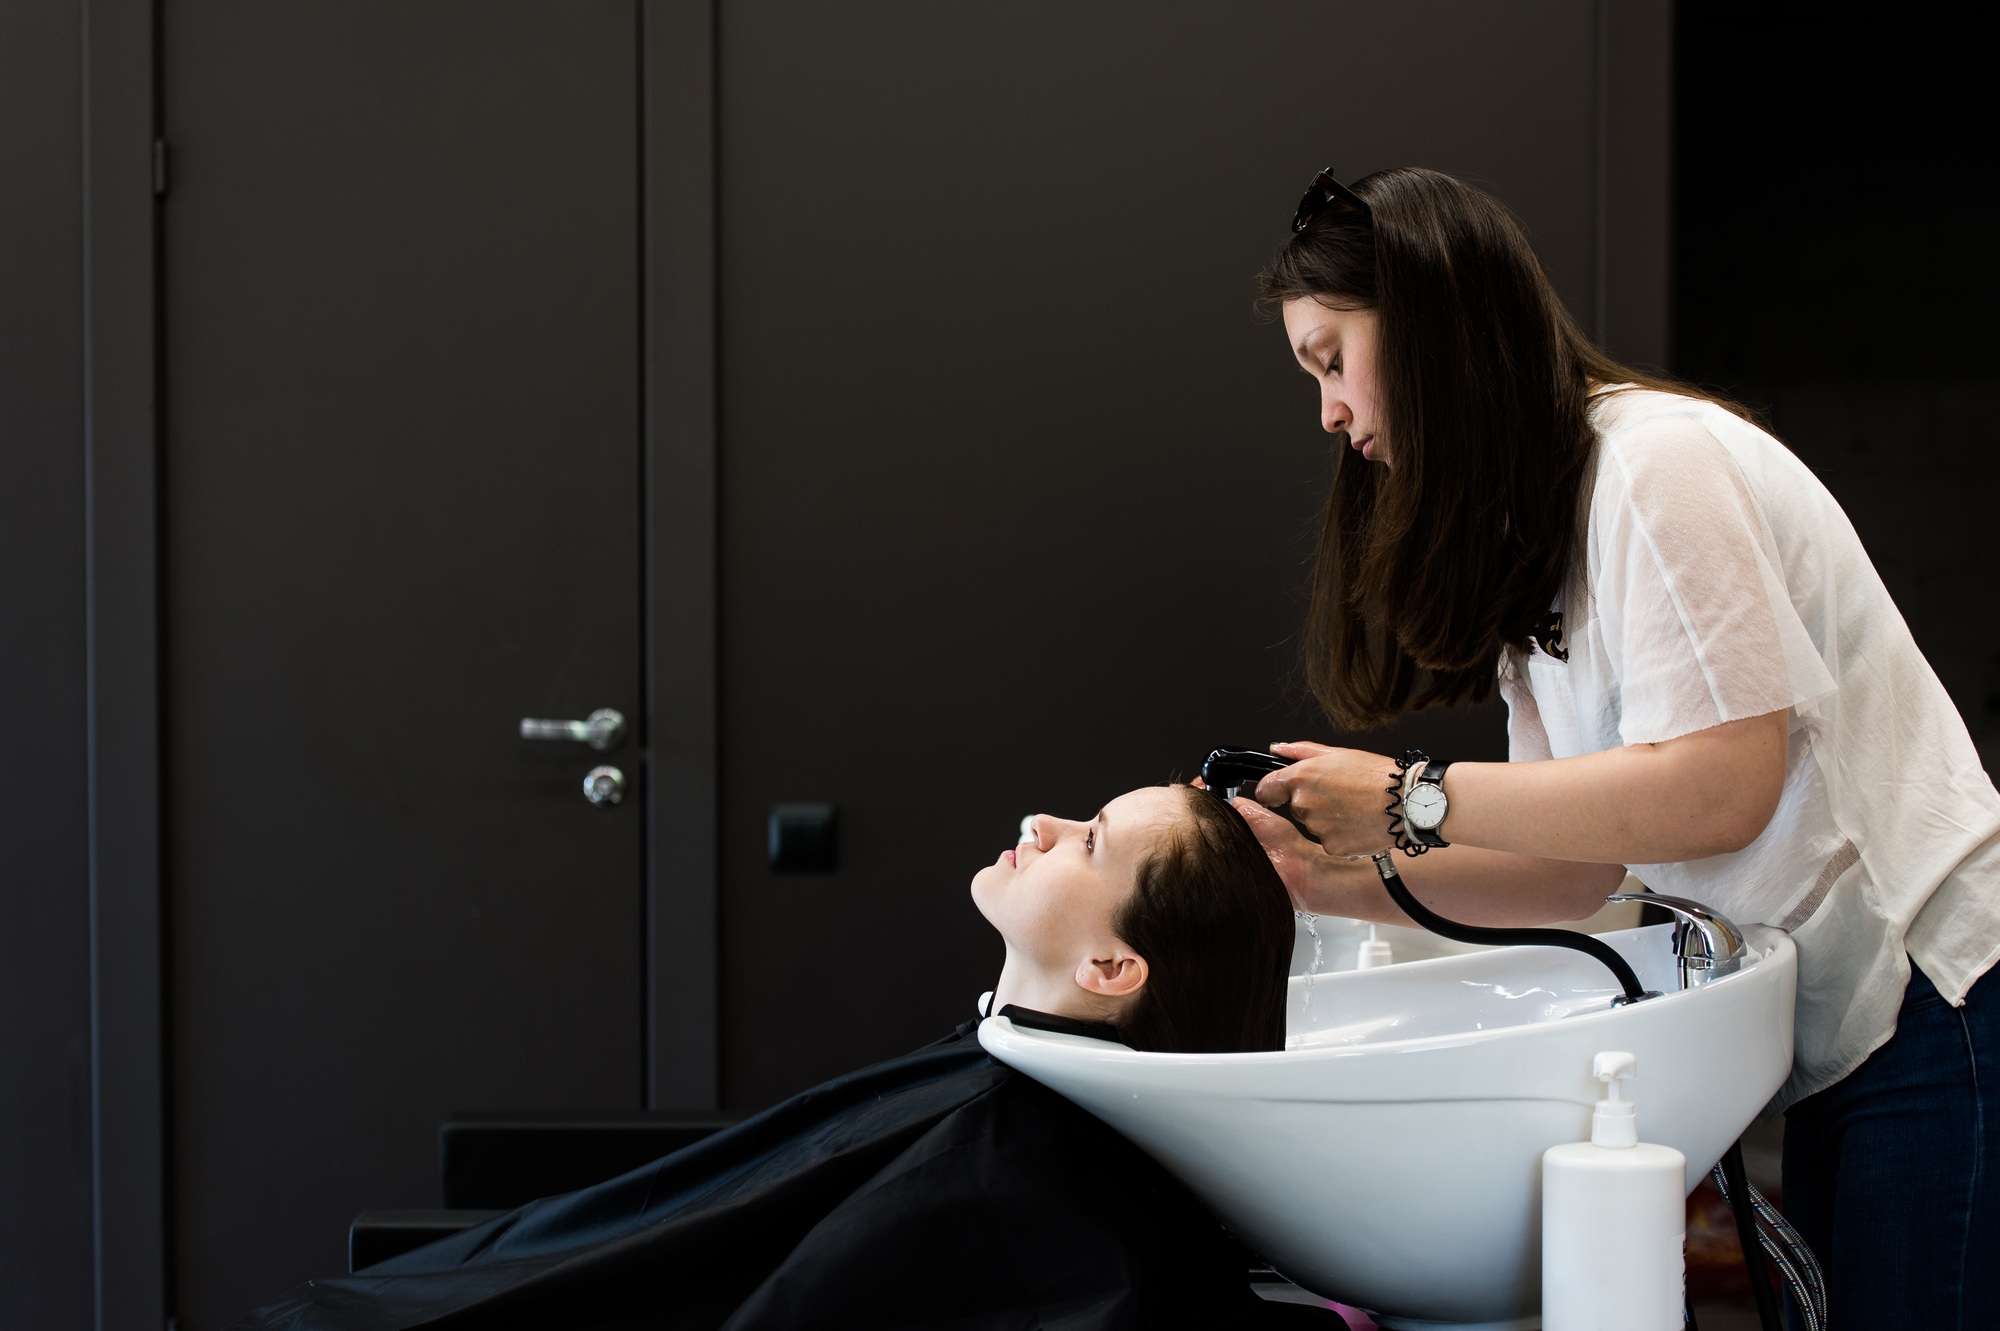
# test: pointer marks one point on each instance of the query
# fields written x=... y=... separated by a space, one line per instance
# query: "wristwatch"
x=1425 y=806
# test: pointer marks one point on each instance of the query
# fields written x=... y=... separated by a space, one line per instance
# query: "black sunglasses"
x=1324 y=192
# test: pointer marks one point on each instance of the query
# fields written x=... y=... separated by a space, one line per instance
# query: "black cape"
x=941 y=1189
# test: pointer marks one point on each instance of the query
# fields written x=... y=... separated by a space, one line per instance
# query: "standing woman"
x=1706 y=683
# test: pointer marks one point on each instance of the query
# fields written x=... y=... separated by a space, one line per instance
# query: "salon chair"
x=491 y=1163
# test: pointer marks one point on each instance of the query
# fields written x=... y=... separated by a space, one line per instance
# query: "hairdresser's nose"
x=1333 y=413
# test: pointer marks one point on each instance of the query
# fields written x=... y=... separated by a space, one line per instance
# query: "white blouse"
x=1722 y=581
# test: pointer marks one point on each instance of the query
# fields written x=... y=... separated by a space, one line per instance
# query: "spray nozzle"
x=1616 y=1121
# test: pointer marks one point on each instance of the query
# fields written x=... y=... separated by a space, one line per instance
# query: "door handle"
x=602 y=730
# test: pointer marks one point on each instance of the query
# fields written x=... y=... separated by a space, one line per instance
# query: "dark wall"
x=1836 y=268
x=1017 y=491
x=45 y=1210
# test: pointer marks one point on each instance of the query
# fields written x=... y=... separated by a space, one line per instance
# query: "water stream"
x=1319 y=953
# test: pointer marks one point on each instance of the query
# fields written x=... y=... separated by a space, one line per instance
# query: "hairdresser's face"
x=1337 y=348
x=1053 y=897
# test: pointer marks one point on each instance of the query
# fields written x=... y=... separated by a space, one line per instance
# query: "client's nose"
x=1045 y=830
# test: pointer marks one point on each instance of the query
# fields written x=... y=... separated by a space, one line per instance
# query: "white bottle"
x=1614 y=1222
x=1373 y=952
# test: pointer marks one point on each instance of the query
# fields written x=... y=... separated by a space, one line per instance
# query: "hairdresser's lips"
x=1365 y=447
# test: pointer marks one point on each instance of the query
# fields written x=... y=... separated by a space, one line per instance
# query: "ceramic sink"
x=1390 y=1156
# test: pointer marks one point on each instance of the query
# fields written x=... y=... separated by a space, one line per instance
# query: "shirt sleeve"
x=1527 y=737
x=1696 y=621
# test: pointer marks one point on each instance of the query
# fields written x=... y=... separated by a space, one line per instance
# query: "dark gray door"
x=1019 y=492
x=401 y=474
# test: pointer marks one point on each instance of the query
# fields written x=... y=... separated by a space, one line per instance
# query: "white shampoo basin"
x=1390 y=1157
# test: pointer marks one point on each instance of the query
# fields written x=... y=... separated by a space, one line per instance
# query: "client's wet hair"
x=1213 y=921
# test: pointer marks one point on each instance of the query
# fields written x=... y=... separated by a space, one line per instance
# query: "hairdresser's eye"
x=1090 y=838
x=1333 y=366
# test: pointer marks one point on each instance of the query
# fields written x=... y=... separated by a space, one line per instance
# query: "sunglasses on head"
x=1324 y=193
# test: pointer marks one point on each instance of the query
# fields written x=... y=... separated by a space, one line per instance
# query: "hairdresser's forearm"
x=1465 y=883
x=1685 y=799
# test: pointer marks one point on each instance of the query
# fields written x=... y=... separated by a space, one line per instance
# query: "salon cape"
x=938 y=1189
x=1722 y=581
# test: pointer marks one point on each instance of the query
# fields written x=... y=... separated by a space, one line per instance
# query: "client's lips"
x=1008 y=855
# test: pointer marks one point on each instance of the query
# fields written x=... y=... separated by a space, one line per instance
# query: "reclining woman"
x=941 y=1188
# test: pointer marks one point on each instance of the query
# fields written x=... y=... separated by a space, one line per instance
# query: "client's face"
x=1054 y=896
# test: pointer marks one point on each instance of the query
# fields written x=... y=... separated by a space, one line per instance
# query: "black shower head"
x=1233 y=772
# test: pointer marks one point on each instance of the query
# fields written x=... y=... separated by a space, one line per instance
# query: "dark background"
x=1015 y=483
x=1832 y=266
x=1835 y=266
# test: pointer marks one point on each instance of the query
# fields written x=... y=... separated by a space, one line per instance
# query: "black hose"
x=1738 y=1179
x=1628 y=979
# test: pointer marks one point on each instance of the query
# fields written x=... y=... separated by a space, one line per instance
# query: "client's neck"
x=1024 y=984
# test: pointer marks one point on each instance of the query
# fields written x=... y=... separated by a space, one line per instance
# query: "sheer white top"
x=1720 y=580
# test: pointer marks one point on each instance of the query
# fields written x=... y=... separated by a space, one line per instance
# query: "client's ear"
x=1119 y=975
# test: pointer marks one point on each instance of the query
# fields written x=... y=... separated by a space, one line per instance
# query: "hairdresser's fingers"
x=1275 y=790
x=1298 y=861
x=1199 y=784
x=1308 y=760
x=1338 y=796
x=1304 y=785
x=1280 y=839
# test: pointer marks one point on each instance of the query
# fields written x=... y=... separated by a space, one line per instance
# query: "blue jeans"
x=1893 y=1174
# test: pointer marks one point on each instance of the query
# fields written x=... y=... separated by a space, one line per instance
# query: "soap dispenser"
x=1614 y=1222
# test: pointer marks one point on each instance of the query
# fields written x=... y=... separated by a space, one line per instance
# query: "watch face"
x=1425 y=807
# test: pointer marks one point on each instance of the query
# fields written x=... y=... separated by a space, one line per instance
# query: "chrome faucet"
x=1707 y=944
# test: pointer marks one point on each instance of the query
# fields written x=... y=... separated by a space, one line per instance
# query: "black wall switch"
x=804 y=838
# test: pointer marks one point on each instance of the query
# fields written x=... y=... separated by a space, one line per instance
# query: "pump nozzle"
x=1373 y=952
x=1613 y=1066
x=1616 y=1122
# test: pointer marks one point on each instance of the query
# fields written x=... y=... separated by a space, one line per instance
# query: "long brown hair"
x=1213 y=921
x=1428 y=568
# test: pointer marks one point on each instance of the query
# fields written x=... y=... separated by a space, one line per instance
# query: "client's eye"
x=1090 y=839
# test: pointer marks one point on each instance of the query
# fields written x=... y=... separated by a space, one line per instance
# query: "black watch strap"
x=1432 y=775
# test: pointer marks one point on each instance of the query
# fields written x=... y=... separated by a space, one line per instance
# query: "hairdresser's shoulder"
x=1650 y=438
x=1647 y=437
x=1632 y=416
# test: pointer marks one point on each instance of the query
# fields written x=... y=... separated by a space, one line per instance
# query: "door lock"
x=603 y=729
x=604 y=786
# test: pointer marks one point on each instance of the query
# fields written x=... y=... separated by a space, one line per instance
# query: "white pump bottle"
x=1614 y=1222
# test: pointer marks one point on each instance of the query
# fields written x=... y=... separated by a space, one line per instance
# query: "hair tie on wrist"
x=1399 y=830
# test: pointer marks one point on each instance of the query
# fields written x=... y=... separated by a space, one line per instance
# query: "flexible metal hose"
x=1783 y=1244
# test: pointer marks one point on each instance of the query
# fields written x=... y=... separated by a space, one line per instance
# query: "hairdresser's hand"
x=1298 y=861
x=1339 y=795
x=1319 y=883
